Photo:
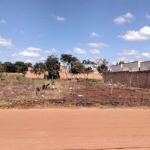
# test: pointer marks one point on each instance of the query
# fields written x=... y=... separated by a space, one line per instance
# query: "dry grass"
x=21 y=94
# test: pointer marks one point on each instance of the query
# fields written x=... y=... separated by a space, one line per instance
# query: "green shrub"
x=88 y=80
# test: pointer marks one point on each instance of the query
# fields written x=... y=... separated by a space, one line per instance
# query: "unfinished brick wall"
x=139 y=79
x=90 y=76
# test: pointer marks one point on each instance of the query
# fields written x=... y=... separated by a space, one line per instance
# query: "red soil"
x=48 y=129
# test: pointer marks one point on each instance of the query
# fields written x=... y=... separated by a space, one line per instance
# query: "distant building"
x=115 y=68
x=131 y=66
x=145 y=66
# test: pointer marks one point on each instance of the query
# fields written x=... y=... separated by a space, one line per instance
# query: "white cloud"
x=94 y=51
x=42 y=58
x=29 y=54
x=5 y=42
x=19 y=31
x=53 y=50
x=113 y=63
x=131 y=61
x=94 y=34
x=22 y=32
x=120 y=20
x=58 y=18
x=33 y=49
x=134 y=53
x=14 y=55
x=97 y=45
x=32 y=54
x=138 y=56
x=3 y=21
x=33 y=60
x=137 y=36
x=79 y=50
x=129 y=53
x=48 y=51
x=148 y=16
x=145 y=54
x=128 y=16
x=30 y=60
x=122 y=59
x=124 y=18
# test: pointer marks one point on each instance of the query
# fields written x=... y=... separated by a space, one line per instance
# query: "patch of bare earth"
x=22 y=95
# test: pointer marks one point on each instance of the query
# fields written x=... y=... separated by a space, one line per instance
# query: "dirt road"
x=103 y=129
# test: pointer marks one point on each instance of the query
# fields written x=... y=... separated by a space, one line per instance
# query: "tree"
x=28 y=64
x=9 y=67
x=102 y=65
x=102 y=61
x=39 y=68
x=77 y=68
x=68 y=61
x=53 y=67
x=119 y=63
x=102 y=68
x=88 y=66
x=21 y=67
x=1 y=69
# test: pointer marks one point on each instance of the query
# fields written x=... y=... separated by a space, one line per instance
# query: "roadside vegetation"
x=52 y=65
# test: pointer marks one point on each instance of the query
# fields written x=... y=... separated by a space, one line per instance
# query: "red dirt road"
x=103 y=129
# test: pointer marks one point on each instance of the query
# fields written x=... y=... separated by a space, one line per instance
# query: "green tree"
x=68 y=60
x=102 y=65
x=1 y=69
x=119 y=63
x=28 y=64
x=53 y=67
x=89 y=65
x=77 y=68
x=21 y=67
x=39 y=68
x=9 y=67
x=102 y=68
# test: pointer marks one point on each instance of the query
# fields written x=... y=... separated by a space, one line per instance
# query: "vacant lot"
x=52 y=129
x=46 y=129
x=65 y=93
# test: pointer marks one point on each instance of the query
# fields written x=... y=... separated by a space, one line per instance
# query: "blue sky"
x=32 y=30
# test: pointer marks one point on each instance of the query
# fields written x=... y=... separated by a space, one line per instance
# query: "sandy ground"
x=103 y=129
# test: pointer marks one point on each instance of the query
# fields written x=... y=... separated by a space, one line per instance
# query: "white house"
x=145 y=66
x=131 y=66
x=116 y=68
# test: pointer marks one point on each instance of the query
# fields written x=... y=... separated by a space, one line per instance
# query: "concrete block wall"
x=136 y=79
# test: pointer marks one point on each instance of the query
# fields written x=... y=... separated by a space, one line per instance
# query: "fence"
x=139 y=79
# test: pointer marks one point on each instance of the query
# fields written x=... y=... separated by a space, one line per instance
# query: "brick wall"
x=90 y=76
x=139 y=79
x=62 y=75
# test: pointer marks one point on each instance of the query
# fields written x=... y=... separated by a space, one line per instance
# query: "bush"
x=88 y=80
